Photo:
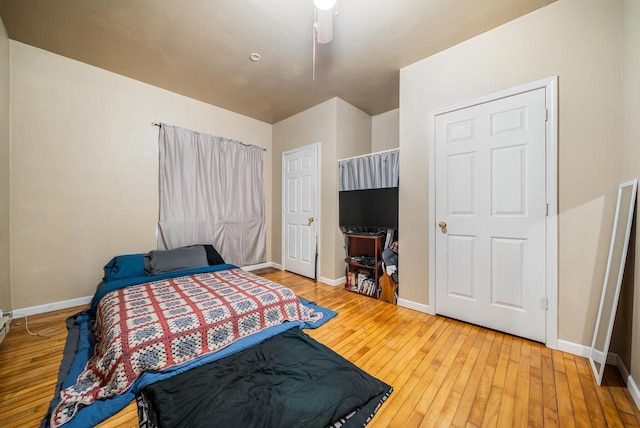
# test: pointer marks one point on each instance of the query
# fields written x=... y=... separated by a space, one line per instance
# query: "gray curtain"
x=211 y=192
x=370 y=172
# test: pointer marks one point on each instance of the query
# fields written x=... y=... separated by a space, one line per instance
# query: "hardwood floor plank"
x=410 y=383
x=377 y=360
x=508 y=402
x=413 y=421
x=450 y=406
x=613 y=380
x=470 y=386
x=549 y=396
x=447 y=411
x=481 y=400
x=424 y=390
x=629 y=420
x=578 y=402
x=636 y=410
x=521 y=404
x=439 y=331
x=410 y=350
x=444 y=372
x=492 y=411
x=558 y=361
x=550 y=418
x=611 y=414
x=436 y=396
x=565 y=409
x=29 y=417
x=588 y=384
x=536 y=413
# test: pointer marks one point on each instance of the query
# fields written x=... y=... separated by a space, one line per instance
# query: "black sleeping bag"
x=289 y=380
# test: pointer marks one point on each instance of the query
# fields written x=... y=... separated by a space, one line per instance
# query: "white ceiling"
x=201 y=48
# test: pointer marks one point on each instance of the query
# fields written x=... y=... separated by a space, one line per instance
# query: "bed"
x=156 y=317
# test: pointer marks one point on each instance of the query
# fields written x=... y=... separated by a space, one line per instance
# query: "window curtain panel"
x=370 y=172
x=211 y=192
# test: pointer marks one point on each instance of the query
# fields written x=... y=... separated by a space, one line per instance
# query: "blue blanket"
x=103 y=409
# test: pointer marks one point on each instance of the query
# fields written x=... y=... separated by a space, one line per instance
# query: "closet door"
x=491 y=209
x=300 y=210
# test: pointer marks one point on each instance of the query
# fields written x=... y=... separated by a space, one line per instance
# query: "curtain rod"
x=244 y=144
x=370 y=154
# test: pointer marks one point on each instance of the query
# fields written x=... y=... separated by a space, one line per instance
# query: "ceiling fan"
x=323 y=25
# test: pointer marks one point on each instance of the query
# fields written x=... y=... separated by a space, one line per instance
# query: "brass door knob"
x=442 y=224
x=312 y=219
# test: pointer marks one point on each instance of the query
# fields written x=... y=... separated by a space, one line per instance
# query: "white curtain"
x=370 y=172
x=211 y=192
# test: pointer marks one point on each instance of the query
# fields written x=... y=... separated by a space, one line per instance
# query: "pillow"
x=124 y=266
x=212 y=256
x=160 y=261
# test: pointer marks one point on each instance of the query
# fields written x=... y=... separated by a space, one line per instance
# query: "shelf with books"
x=362 y=282
x=364 y=264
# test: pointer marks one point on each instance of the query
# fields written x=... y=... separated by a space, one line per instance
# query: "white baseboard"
x=574 y=348
x=628 y=379
x=263 y=266
x=50 y=307
x=621 y=367
x=258 y=266
x=274 y=265
x=632 y=386
x=420 y=307
x=633 y=390
x=584 y=351
x=332 y=282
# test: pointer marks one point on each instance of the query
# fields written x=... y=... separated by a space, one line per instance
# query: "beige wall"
x=353 y=139
x=354 y=133
x=631 y=166
x=317 y=124
x=385 y=133
x=5 y=288
x=578 y=40
x=85 y=169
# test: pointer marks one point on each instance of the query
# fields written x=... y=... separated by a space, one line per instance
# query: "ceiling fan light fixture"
x=324 y=4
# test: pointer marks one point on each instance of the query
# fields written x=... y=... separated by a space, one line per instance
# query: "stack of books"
x=362 y=282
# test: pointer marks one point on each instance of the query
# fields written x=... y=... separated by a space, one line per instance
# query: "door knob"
x=312 y=219
x=442 y=224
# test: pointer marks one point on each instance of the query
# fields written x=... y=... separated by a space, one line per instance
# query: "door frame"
x=550 y=85
x=283 y=236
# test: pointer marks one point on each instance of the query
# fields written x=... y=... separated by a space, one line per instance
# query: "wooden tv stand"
x=367 y=246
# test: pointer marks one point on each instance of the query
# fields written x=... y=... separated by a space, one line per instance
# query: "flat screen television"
x=372 y=208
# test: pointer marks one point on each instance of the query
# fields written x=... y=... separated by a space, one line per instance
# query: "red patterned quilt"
x=161 y=324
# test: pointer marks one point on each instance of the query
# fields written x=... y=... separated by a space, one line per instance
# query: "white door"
x=300 y=210
x=490 y=209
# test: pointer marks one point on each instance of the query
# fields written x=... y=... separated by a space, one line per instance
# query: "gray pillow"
x=160 y=261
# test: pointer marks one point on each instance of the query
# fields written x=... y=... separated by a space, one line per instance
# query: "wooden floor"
x=444 y=372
